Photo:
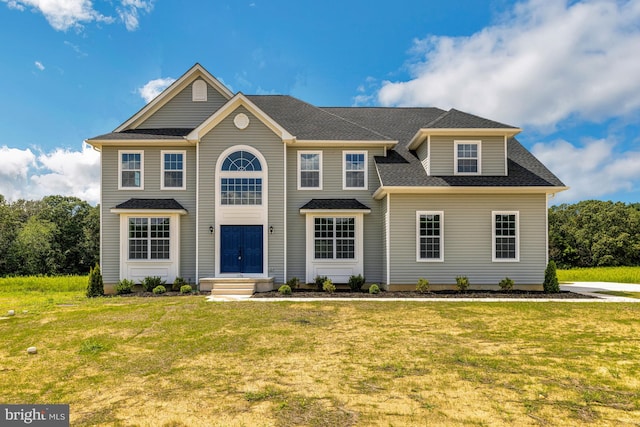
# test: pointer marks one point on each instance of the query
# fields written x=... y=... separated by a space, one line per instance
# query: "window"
x=467 y=158
x=430 y=242
x=334 y=238
x=241 y=161
x=505 y=236
x=149 y=238
x=355 y=170
x=241 y=182
x=131 y=168
x=173 y=170
x=309 y=170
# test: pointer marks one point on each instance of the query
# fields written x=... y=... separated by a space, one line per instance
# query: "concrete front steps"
x=235 y=288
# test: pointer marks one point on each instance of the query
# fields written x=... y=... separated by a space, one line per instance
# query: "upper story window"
x=430 y=236
x=309 y=170
x=173 y=170
x=506 y=235
x=131 y=170
x=467 y=157
x=241 y=179
x=354 y=170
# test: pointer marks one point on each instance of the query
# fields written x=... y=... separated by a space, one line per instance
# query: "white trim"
x=429 y=155
x=344 y=169
x=456 y=143
x=184 y=169
x=382 y=191
x=315 y=143
x=423 y=133
x=493 y=236
x=120 y=153
x=299 y=172
x=506 y=157
x=418 y=215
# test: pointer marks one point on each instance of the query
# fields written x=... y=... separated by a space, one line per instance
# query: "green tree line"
x=55 y=235
x=593 y=233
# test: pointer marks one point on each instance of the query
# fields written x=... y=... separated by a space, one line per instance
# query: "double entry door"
x=241 y=249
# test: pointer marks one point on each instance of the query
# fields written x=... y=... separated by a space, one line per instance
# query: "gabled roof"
x=334 y=204
x=144 y=134
x=168 y=205
x=454 y=119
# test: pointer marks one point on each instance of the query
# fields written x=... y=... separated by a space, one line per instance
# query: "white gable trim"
x=238 y=100
x=423 y=133
x=195 y=72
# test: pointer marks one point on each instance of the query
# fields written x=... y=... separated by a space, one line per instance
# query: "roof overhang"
x=312 y=143
x=335 y=211
x=149 y=211
x=99 y=143
x=381 y=192
x=423 y=133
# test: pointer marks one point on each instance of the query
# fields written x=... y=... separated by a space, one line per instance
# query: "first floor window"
x=334 y=238
x=149 y=238
x=241 y=191
x=173 y=170
x=505 y=236
x=430 y=236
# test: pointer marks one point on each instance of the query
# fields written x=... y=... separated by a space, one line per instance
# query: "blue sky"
x=567 y=73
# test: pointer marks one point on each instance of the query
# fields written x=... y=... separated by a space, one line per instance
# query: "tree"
x=551 y=284
x=95 y=288
x=33 y=249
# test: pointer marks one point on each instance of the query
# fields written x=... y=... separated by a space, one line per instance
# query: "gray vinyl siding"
x=468 y=239
x=332 y=161
x=111 y=197
x=182 y=112
x=385 y=222
x=442 y=156
x=261 y=138
x=423 y=155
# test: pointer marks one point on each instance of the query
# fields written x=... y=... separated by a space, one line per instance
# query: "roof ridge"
x=354 y=123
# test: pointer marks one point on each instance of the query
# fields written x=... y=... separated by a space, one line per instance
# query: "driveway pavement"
x=590 y=288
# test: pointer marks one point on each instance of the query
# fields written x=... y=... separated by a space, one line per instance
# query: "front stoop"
x=235 y=287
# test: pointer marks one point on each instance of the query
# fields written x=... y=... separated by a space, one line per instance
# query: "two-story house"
x=215 y=187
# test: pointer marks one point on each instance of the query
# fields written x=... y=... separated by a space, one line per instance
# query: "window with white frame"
x=310 y=170
x=173 y=170
x=355 y=170
x=241 y=179
x=334 y=237
x=131 y=170
x=149 y=238
x=506 y=235
x=467 y=157
x=430 y=236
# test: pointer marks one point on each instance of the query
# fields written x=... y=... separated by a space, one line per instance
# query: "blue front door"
x=241 y=249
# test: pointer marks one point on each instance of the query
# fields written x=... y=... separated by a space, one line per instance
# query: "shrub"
x=356 y=283
x=319 y=281
x=293 y=283
x=149 y=283
x=328 y=286
x=506 y=284
x=178 y=284
x=285 y=289
x=374 y=289
x=95 y=288
x=422 y=286
x=185 y=289
x=159 y=290
x=124 y=286
x=462 y=283
x=551 y=284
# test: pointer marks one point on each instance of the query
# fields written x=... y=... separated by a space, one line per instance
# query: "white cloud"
x=39 y=65
x=592 y=170
x=544 y=62
x=154 y=87
x=61 y=172
x=65 y=14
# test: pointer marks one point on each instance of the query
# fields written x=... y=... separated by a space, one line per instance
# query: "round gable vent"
x=241 y=121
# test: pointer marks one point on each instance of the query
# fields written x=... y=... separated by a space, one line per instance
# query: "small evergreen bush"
x=374 y=289
x=178 y=284
x=285 y=290
x=124 y=286
x=159 y=290
x=319 y=281
x=506 y=284
x=149 y=283
x=422 y=286
x=356 y=283
x=462 y=283
x=293 y=283
x=328 y=286
x=185 y=289
x=95 y=288
x=551 y=284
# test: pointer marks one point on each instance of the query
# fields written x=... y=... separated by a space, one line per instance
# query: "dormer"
x=461 y=144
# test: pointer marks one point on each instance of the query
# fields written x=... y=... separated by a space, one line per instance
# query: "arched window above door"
x=241 y=161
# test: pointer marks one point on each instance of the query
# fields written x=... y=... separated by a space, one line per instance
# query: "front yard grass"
x=182 y=361
x=601 y=274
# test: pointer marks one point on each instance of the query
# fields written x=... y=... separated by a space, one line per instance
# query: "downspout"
x=197 y=278
x=285 y=213
x=388 y=243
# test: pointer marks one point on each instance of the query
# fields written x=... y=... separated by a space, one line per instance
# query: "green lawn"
x=182 y=361
x=601 y=274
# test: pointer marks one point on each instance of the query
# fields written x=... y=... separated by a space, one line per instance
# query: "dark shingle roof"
x=454 y=119
x=169 y=204
x=334 y=204
x=137 y=134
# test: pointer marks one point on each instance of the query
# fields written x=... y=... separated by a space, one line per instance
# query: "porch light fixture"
x=211 y=229
x=271 y=229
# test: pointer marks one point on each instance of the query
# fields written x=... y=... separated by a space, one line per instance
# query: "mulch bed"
x=304 y=293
